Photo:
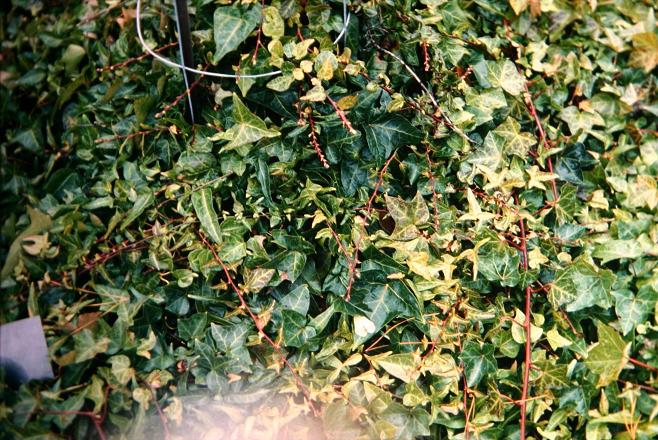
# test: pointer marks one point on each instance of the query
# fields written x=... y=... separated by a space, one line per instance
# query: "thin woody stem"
x=642 y=364
x=432 y=182
x=542 y=137
x=315 y=143
x=341 y=114
x=257 y=322
x=180 y=97
x=163 y=418
x=355 y=259
x=122 y=64
x=527 y=328
x=127 y=137
x=259 y=34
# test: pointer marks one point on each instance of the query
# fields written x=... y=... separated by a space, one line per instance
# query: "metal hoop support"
x=185 y=46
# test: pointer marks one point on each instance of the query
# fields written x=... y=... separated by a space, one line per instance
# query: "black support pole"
x=185 y=46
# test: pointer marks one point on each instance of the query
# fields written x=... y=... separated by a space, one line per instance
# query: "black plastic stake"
x=185 y=46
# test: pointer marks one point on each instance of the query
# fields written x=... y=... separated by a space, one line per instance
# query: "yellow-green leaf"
x=608 y=356
x=248 y=128
x=645 y=51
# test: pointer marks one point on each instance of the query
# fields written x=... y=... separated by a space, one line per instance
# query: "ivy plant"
x=441 y=226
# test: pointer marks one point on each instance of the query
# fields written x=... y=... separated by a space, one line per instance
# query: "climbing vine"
x=442 y=226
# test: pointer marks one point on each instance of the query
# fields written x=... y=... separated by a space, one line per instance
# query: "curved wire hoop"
x=170 y=63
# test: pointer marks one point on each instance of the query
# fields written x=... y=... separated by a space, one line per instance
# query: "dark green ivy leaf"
x=192 y=327
x=296 y=332
x=478 y=361
x=389 y=132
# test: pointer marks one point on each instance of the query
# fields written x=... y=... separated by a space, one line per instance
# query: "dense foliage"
x=445 y=228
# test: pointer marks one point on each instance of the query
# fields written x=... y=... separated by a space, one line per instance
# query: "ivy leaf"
x=121 y=369
x=570 y=232
x=325 y=64
x=484 y=103
x=553 y=374
x=292 y=265
x=633 y=310
x=380 y=302
x=567 y=204
x=192 y=327
x=409 y=423
x=263 y=176
x=231 y=26
x=281 y=83
x=273 y=25
x=404 y=366
x=579 y=120
x=485 y=159
x=518 y=331
x=608 y=356
x=519 y=5
x=248 y=128
x=339 y=421
x=256 y=279
x=205 y=212
x=616 y=249
x=143 y=201
x=556 y=340
x=504 y=74
x=295 y=331
x=571 y=164
x=229 y=337
x=407 y=215
x=645 y=51
x=516 y=141
x=38 y=222
x=87 y=347
x=389 y=132
x=581 y=285
x=498 y=262
x=297 y=300
x=352 y=177
x=478 y=361
x=232 y=251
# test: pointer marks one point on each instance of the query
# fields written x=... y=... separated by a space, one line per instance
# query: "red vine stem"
x=128 y=136
x=105 y=257
x=96 y=419
x=542 y=137
x=526 y=326
x=434 y=195
x=257 y=323
x=258 y=35
x=341 y=114
x=454 y=308
x=642 y=364
x=355 y=259
x=467 y=391
x=340 y=243
x=380 y=180
x=180 y=97
x=134 y=59
x=426 y=56
x=163 y=418
x=313 y=135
